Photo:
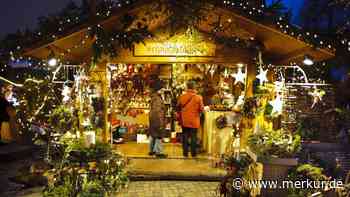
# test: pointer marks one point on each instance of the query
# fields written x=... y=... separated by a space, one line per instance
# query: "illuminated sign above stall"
x=190 y=43
x=174 y=49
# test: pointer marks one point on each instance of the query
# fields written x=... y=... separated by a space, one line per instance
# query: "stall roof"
x=280 y=48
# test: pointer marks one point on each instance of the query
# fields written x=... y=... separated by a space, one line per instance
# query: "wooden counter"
x=215 y=141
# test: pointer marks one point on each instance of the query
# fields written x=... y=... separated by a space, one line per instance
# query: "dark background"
x=22 y=14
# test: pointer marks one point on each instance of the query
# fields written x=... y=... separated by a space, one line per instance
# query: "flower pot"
x=277 y=169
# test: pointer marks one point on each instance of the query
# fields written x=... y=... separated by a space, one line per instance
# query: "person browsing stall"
x=156 y=121
x=190 y=105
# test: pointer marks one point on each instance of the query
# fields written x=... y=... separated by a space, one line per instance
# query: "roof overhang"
x=280 y=48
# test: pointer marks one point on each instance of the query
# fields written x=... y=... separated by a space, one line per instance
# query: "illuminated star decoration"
x=262 y=76
x=279 y=85
x=317 y=96
x=277 y=105
x=239 y=76
x=65 y=93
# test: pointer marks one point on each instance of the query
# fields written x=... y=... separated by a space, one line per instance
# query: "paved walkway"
x=155 y=189
x=170 y=189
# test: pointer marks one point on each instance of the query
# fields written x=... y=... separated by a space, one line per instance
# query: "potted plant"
x=92 y=189
x=276 y=150
x=305 y=172
x=237 y=168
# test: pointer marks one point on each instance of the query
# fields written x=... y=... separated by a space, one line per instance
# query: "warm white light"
x=239 y=76
x=240 y=65
x=66 y=93
x=307 y=61
x=262 y=76
x=52 y=62
x=225 y=73
x=277 y=105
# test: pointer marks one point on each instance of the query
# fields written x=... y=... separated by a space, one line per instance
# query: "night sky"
x=295 y=5
x=21 y=14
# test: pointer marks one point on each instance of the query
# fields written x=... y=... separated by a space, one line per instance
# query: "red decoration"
x=130 y=69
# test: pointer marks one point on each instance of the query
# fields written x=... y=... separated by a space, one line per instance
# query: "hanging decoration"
x=239 y=76
x=277 y=105
x=317 y=96
x=262 y=76
x=51 y=28
x=212 y=71
x=226 y=73
x=66 y=93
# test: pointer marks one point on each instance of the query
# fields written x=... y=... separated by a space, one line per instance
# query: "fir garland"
x=185 y=13
x=109 y=42
x=180 y=14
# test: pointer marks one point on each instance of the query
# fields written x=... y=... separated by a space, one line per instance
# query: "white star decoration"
x=277 y=105
x=65 y=93
x=262 y=76
x=239 y=76
x=279 y=85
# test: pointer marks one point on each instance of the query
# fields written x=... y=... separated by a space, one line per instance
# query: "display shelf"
x=134 y=108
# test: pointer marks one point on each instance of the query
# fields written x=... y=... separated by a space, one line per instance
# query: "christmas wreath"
x=221 y=122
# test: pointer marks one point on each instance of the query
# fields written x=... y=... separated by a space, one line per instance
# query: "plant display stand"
x=276 y=169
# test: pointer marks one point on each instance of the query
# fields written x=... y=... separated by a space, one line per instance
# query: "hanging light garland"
x=105 y=10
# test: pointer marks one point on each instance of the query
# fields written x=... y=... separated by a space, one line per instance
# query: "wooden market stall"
x=191 y=52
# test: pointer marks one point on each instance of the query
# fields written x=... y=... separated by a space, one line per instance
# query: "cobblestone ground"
x=150 y=189
x=170 y=189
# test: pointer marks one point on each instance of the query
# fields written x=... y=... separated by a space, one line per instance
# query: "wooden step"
x=173 y=169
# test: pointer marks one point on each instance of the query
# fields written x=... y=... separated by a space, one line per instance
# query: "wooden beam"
x=60 y=51
x=292 y=55
x=81 y=30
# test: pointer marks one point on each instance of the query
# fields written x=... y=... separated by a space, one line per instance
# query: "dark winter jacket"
x=156 y=116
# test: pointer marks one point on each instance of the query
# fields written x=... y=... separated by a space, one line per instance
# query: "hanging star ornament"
x=66 y=93
x=277 y=106
x=262 y=76
x=317 y=96
x=279 y=86
x=239 y=76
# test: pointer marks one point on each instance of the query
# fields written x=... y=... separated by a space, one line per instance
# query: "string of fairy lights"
x=247 y=8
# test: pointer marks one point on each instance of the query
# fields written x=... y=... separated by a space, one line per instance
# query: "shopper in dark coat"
x=156 y=120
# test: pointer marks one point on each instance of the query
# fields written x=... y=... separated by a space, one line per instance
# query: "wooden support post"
x=247 y=123
x=251 y=74
x=105 y=92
